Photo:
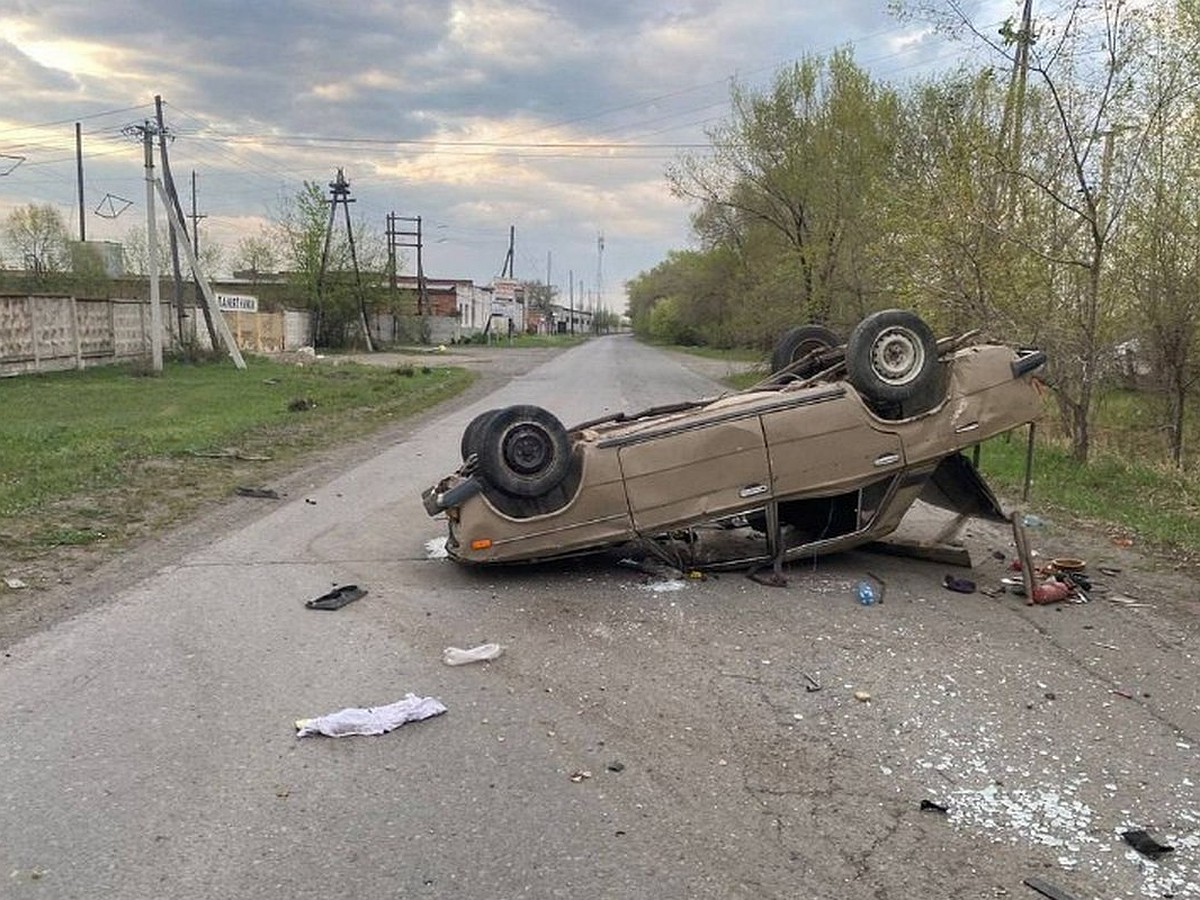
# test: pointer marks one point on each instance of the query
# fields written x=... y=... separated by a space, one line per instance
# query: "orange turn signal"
x=481 y=544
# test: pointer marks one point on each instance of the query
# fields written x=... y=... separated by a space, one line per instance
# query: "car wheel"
x=524 y=450
x=474 y=430
x=797 y=343
x=892 y=357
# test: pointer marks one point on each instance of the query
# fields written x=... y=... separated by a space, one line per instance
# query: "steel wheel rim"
x=897 y=356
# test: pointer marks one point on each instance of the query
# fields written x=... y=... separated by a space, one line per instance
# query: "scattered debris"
x=930 y=806
x=813 y=685
x=1046 y=889
x=958 y=585
x=301 y=404
x=1029 y=520
x=1125 y=694
x=1110 y=571
x=662 y=587
x=649 y=567
x=1140 y=841
x=435 y=548
x=771 y=579
x=1129 y=602
x=1106 y=646
x=580 y=776
x=1067 y=564
x=371 y=720
x=15 y=584
x=260 y=493
x=862 y=696
x=337 y=598
x=1049 y=591
x=616 y=766
x=310 y=501
x=230 y=454
x=453 y=656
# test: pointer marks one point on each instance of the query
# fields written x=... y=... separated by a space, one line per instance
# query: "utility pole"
x=339 y=195
x=79 y=170
x=507 y=270
x=1012 y=128
x=169 y=183
x=599 y=278
x=156 y=349
x=195 y=217
x=571 y=300
x=418 y=243
x=198 y=297
x=145 y=133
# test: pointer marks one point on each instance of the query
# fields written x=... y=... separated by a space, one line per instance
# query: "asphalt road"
x=638 y=738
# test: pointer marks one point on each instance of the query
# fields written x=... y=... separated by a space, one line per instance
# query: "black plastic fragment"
x=1140 y=841
x=930 y=806
x=261 y=493
x=1046 y=889
x=337 y=598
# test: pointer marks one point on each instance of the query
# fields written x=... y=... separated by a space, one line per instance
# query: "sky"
x=556 y=118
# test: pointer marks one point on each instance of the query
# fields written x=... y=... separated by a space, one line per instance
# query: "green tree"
x=1158 y=253
x=790 y=185
x=337 y=297
x=695 y=292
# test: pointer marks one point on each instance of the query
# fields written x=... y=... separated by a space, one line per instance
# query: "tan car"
x=826 y=454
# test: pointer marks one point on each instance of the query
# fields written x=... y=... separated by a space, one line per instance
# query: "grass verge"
x=106 y=455
x=1155 y=505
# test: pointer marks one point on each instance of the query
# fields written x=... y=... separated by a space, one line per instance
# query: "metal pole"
x=156 y=350
x=1028 y=462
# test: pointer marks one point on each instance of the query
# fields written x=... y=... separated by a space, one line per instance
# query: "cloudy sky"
x=556 y=117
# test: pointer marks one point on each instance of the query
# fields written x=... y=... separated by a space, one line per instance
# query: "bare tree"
x=37 y=236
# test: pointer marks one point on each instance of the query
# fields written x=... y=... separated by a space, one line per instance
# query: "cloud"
x=553 y=116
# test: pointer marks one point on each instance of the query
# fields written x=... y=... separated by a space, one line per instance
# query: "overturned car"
x=827 y=453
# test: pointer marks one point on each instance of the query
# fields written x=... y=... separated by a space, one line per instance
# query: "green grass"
x=106 y=453
x=733 y=354
x=1157 y=504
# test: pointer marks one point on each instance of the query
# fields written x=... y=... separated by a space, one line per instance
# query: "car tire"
x=524 y=451
x=892 y=357
x=798 y=342
x=473 y=432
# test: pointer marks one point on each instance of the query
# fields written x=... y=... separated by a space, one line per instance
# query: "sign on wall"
x=237 y=303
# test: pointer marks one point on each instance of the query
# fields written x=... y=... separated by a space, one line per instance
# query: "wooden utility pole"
x=166 y=165
x=418 y=243
x=506 y=271
x=339 y=194
x=79 y=171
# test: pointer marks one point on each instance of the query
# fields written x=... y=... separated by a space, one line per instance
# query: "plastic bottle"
x=865 y=593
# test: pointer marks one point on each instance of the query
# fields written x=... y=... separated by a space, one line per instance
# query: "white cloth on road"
x=373 y=719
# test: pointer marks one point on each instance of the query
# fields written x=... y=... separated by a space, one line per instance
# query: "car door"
x=695 y=467
x=826 y=442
